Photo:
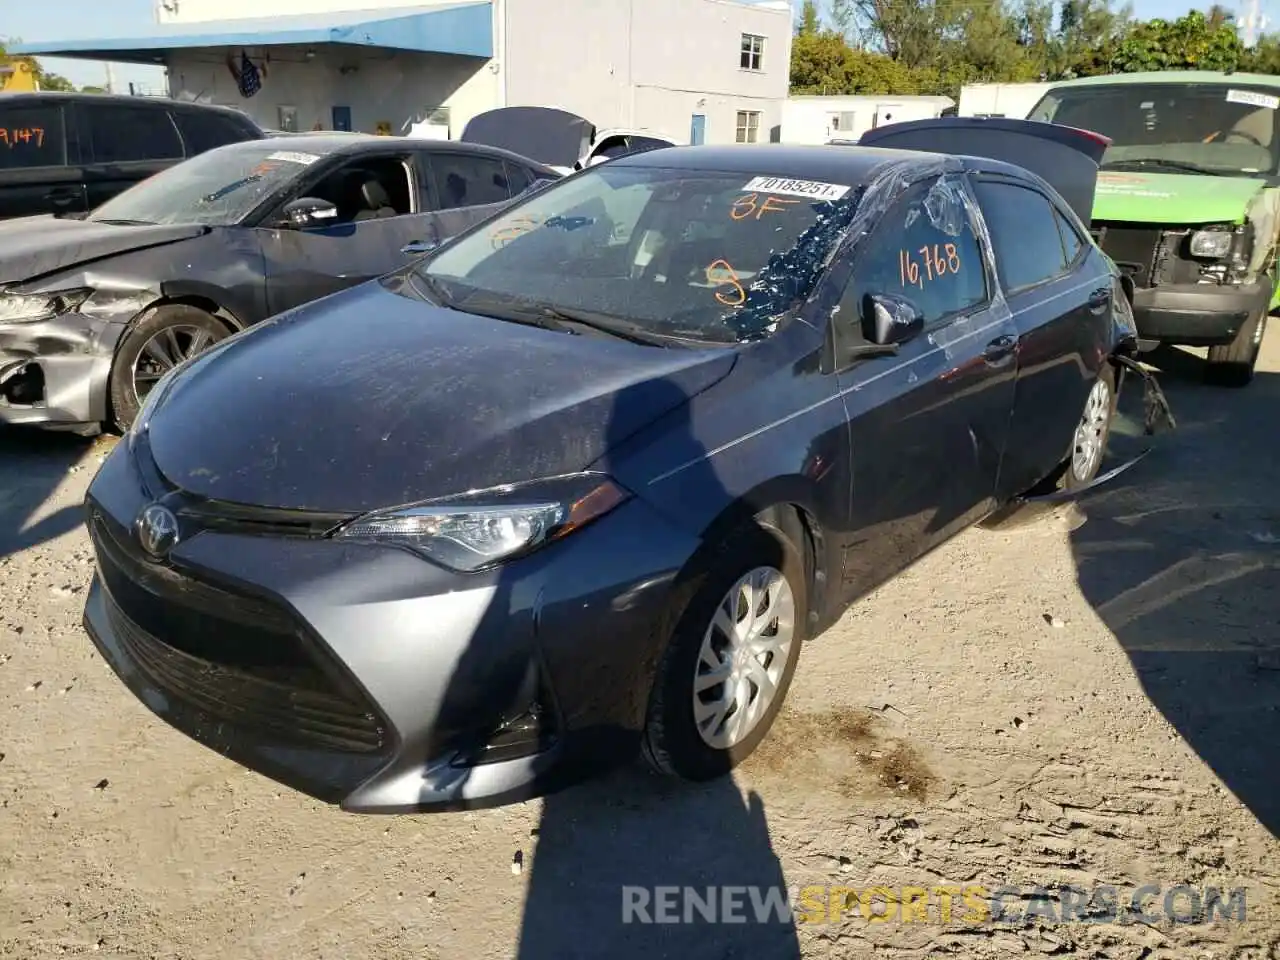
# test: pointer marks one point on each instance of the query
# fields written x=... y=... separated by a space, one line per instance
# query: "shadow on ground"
x=1181 y=559
x=32 y=465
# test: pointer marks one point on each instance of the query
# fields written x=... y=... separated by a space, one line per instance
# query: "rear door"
x=123 y=144
x=929 y=426
x=379 y=215
x=1061 y=305
x=39 y=169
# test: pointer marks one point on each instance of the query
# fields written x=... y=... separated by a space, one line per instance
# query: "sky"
x=35 y=20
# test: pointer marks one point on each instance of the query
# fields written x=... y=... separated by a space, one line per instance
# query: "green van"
x=1187 y=202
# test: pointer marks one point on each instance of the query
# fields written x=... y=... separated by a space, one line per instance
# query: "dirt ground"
x=1088 y=697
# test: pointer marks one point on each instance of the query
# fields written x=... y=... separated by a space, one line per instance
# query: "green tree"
x=810 y=22
x=1191 y=42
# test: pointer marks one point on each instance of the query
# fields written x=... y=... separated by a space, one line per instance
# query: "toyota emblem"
x=157 y=530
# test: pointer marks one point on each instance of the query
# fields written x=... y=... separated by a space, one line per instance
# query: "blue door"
x=698 y=129
x=342 y=118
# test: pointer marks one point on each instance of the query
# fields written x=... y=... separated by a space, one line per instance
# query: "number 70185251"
x=930 y=262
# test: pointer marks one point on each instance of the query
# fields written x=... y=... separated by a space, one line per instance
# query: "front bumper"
x=365 y=675
x=1198 y=315
x=54 y=372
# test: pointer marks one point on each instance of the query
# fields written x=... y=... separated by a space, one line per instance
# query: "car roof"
x=334 y=142
x=1173 y=76
x=124 y=99
x=848 y=165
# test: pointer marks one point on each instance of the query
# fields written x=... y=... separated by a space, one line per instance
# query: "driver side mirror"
x=888 y=321
x=308 y=211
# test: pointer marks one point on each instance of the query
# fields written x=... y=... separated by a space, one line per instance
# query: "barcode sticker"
x=1253 y=99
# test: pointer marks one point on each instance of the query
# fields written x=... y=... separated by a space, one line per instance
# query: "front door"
x=342 y=119
x=379 y=214
x=698 y=129
x=928 y=426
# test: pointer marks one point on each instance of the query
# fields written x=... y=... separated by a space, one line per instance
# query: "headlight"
x=1211 y=244
x=31 y=307
x=483 y=528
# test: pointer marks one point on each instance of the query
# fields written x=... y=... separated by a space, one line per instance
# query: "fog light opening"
x=23 y=387
x=524 y=730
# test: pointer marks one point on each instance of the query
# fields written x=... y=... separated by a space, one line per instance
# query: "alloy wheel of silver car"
x=1091 y=432
x=164 y=351
x=743 y=656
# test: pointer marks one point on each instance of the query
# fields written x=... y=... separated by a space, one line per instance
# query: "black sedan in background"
x=581 y=482
x=94 y=311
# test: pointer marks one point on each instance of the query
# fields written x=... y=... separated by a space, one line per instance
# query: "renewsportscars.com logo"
x=1150 y=903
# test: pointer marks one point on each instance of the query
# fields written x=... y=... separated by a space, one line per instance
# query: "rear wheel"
x=1232 y=364
x=1089 y=443
x=155 y=345
x=730 y=661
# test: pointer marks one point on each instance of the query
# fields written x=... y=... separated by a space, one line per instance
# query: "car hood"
x=369 y=399
x=31 y=247
x=1175 y=198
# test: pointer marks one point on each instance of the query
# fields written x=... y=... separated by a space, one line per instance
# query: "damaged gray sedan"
x=94 y=311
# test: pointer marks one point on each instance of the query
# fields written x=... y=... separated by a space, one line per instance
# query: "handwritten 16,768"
x=12 y=137
x=929 y=263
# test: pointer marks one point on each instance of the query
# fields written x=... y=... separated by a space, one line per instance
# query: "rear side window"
x=1071 y=239
x=1024 y=233
x=32 y=135
x=518 y=178
x=123 y=134
x=467 y=181
x=204 y=131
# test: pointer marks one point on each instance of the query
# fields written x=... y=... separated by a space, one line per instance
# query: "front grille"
x=234 y=657
x=1132 y=248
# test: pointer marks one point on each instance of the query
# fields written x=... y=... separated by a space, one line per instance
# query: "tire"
x=1093 y=430
x=672 y=742
x=1232 y=364
x=175 y=328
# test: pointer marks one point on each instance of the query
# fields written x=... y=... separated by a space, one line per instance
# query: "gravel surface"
x=1084 y=696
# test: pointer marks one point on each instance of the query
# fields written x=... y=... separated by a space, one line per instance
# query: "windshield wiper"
x=434 y=288
x=1141 y=162
x=607 y=324
x=127 y=223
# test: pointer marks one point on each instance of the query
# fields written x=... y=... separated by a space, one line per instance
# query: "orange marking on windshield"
x=516 y=228
x=12 y=137
x=750 y=204
x=721 y=274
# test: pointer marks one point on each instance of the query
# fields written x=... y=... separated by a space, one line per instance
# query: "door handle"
x=417 y=247
x=1099 y=300
x=1000 y=350
x=61 y=195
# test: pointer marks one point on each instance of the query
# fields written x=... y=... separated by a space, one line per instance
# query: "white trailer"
x=817 y=119
x=1013 y=100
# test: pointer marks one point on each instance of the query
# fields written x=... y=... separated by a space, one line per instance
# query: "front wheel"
x=1233 y=364
x=160 y=341
x=730 y=661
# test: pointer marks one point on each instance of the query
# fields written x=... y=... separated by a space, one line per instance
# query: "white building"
x=820 y=119
x=694 y=70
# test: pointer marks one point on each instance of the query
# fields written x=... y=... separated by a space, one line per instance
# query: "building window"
x=748 y=126
x=752 y=52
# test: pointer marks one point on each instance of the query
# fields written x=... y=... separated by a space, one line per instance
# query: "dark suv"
x=68 y=152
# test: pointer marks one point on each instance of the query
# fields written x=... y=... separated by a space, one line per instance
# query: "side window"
x=368 y=189
x=923 y=249
x=1071 y=239
x=465 y=181
x=204 y=131
x=1024 y=233
x=32 y=135
x=124 y=134
x=518 y=178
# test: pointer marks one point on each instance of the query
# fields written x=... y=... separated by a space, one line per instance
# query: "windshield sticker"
x=1253 y=99
x=938 y=260
x=750 y=204
x=720 y=273
x=292 y=156
x=796 y=188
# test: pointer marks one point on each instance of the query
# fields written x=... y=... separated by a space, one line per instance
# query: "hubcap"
x=1090 y=433
x=743 y=655
x=164 y=351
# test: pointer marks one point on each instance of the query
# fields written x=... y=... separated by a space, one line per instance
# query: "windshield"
x=692 y=254
x=1189 y=128
x=217 y=187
